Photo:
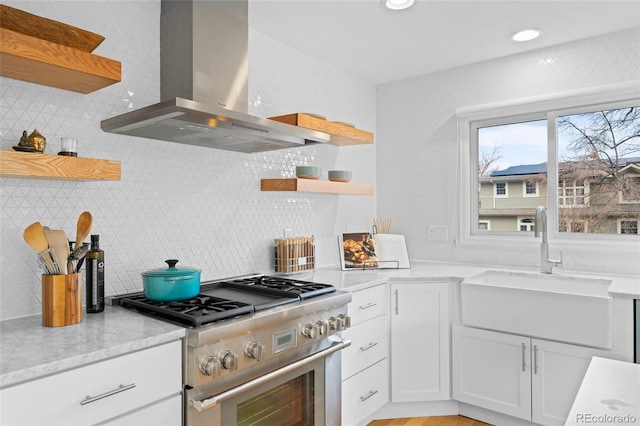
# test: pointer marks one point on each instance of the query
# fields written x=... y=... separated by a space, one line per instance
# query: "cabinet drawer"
x=365 y=392
x=127 y=383
x=164 y=413
x=369 y=303
x=369 y=344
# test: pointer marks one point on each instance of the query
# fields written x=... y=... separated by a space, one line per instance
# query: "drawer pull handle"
x=369 y=395
x=120 y=388
x=368 y=305
x=369 y=346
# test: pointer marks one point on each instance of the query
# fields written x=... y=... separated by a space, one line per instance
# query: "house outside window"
x=595 y=167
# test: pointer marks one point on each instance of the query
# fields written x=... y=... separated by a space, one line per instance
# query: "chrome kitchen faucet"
x=546 y=264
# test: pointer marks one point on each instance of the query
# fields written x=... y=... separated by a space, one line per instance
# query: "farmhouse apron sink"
x=564 y=308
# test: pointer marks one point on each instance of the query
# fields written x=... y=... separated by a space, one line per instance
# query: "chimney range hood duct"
x=203 y=84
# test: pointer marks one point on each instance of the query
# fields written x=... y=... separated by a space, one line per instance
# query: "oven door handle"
x=205 y=404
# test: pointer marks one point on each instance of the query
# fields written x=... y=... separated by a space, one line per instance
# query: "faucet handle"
x=559 y=262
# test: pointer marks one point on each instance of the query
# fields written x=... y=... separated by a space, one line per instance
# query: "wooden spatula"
x=35 y=238
x=59 y=245
x=83 y=228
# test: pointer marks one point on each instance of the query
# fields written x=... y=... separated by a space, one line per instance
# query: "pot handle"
x=171 y=262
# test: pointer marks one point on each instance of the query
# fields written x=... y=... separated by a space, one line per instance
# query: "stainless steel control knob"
x=255 y=350
x=336 y=324
x=209 y=366
x=346 y=321
x=323 y=327
x=310 y=331
x=229 y=361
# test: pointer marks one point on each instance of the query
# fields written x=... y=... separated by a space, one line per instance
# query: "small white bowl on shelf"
x=308 y=172
x=339 y=175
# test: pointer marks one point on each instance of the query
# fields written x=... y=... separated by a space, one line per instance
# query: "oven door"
x=303 y=393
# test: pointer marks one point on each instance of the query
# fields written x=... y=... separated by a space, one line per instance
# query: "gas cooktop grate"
x=201 y=309
x=302 y=289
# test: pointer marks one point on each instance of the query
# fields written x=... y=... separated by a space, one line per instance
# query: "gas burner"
x=200 y=310
x=224 y=299
x=302 y=289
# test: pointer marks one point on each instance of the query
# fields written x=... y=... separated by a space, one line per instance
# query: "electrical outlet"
x=437 y=232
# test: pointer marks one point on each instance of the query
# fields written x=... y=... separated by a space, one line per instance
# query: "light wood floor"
x=429 y=421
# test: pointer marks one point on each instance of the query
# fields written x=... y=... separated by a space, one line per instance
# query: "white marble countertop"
x=29 y=351
x=624 y=286
x=609 y=394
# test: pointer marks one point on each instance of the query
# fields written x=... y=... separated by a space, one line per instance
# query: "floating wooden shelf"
x=310 y=185
x=341 y=134
x=45 y=166
x=39 y=61
x=47 y=29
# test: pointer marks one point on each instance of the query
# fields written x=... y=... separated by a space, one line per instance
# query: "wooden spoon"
x=83 y=228
x=35 y=238
x=59 y=245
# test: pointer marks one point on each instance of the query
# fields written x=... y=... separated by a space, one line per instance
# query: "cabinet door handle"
x=535 y=359
x=397 y=307
x=368 y=305
x=89 y=399
x=524 y=349
x=369 y=346
x=369 y=395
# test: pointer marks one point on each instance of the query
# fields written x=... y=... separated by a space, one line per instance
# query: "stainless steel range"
x=259 y=350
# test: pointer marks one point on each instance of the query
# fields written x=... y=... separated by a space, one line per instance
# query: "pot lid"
x=171 y=271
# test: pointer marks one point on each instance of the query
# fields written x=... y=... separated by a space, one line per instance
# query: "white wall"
x=417 y=144
x=202 y=206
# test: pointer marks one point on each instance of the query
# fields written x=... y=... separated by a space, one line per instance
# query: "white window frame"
x=524 y=188
x=506 y=190
x=527 y=221
x=628 y=220
x=527 y=109
x=585 y=196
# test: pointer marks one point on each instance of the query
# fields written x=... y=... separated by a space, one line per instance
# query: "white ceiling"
x=378 y=45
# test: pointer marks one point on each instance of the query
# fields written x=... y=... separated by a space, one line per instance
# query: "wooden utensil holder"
x=61 y=302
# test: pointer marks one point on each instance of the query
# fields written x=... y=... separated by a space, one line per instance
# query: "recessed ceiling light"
x=526 y=35
x=398 y=4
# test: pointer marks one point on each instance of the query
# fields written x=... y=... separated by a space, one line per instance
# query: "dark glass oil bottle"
x=95 y=277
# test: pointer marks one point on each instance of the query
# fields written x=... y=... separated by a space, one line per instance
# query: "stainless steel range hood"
x=203 y=84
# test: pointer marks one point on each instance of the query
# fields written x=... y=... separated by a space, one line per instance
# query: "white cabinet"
x=491 y=370
x=364 y=393
x=164 y=413
x=523 y=377
x=365 y=364
x=145 y=384
x=419 y=341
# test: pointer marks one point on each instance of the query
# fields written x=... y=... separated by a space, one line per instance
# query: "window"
x=592 y=160
x=501 y=189
x=526 y=224
x=571 y=193
x=530 y=189
x=581 y=163
x=628 y=227
x=484 y=225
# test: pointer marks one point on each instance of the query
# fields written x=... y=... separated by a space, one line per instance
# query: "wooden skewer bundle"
x=294 y=254
x=383 y=227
